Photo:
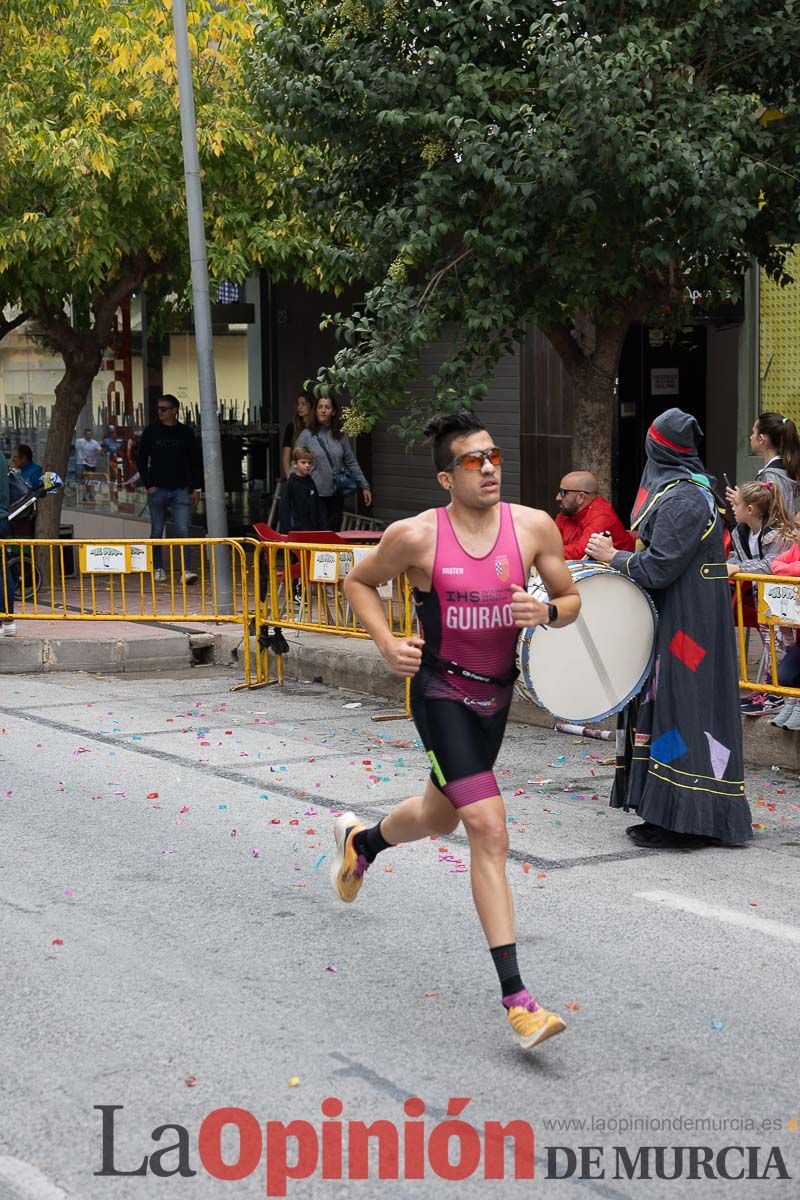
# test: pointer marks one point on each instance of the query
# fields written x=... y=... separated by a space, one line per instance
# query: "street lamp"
x=201 y=302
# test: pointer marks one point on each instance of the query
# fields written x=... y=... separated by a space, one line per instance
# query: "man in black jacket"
x=169 y=465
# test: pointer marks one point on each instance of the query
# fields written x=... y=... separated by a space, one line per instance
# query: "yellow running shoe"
x=530 y=1028
x=347 y=868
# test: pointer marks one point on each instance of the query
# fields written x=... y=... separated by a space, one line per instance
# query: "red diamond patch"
x=687 y=650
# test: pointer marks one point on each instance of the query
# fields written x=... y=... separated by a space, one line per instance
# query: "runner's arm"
x=549 y=562
x=396 y=552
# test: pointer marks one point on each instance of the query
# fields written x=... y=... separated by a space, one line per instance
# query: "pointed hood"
x=671 y=447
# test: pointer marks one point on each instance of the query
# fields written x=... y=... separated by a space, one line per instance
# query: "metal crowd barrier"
x=300 y=586
x=114 y=579
x=777 y=605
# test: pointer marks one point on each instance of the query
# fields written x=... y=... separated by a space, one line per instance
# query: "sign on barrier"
x=779 y=603
x=105 y=559
x=116 y=582
x=141 y=557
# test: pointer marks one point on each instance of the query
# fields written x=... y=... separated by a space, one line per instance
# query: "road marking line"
x=27 y=1182
x=729 y=916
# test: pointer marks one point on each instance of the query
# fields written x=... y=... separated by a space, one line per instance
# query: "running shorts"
x=461 y=746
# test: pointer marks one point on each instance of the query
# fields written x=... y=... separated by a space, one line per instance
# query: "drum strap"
x=453 y=668
x=594 y=655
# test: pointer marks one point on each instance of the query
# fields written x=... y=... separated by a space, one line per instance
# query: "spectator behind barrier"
x=300 y=502
x=774 y=439
x=788 y=563
x=22 y=459
x=583 y=513
x=336 y=471
x=300 y=421
x=764 y=528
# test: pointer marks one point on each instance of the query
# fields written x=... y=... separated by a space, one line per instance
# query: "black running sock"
x=370 y=842
x=505 y=961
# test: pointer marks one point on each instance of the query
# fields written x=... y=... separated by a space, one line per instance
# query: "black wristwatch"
x=552 y=614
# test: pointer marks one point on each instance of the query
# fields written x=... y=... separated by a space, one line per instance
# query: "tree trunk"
x=593 y=375
x=592 y=437
x=70 y=392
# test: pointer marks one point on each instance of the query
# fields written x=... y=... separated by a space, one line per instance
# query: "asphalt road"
x=169 y=943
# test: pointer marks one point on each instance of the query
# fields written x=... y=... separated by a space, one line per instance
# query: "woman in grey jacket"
x=332 y=453
x=774 y=439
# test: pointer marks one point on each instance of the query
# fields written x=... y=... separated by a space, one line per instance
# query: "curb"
x=349 y=663
x=173 y=651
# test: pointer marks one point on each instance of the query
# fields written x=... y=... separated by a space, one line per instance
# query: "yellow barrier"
x=300 y=585
x=778 y=604
x=295 y=585
x=114 y=579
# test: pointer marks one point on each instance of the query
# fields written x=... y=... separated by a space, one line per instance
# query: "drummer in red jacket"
x=583 y=513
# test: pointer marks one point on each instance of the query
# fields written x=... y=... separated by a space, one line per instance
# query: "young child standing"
x=301 y=508
x=764 y=530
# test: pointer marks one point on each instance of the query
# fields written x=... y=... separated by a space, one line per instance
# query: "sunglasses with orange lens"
x=473 y=460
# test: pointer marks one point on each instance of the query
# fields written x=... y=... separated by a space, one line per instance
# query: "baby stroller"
x=21 y=516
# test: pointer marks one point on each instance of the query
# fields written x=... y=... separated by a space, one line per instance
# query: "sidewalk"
x=351 y=663
x=116 y=646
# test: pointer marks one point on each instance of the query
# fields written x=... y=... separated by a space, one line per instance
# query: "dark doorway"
x=655 y=374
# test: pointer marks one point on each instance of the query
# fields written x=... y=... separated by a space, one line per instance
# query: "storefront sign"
x=664 y=381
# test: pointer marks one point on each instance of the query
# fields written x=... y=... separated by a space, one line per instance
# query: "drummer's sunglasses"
x=473 y=460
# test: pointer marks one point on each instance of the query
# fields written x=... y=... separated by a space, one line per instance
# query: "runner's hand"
x=526 y=610
x=404 y=656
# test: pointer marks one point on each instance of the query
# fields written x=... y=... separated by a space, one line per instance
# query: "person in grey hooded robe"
x=679 y=745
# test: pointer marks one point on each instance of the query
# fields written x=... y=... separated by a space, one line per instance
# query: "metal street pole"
x=201 y=301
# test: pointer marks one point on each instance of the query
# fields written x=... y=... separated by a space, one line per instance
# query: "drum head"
x=592 y=668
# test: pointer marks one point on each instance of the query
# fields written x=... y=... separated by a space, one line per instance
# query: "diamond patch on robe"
x=653 y=689
x=719 y=756
x=669 y=746
x=687 y=650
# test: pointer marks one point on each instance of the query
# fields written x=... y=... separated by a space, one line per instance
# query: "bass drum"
x=592 y=668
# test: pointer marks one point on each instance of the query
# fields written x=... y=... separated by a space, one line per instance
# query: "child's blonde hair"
x=767 y=500
x=302 y=452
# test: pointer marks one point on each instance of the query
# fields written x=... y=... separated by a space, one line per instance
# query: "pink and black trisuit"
x=462 y=693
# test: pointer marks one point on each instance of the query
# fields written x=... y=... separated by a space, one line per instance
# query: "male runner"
x=468 y=564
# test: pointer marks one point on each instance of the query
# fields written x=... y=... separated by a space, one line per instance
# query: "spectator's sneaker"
x=785 y=713
x=160 y=575
x=793 y=723
x=9 y=629
x=750 y=699
x=189 y=577
x=531 y=1028
x=347 y=868
x=761 y=704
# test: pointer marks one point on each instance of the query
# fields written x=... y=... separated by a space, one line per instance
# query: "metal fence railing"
x=774 y=606
x=119 y=579
x=300 y=586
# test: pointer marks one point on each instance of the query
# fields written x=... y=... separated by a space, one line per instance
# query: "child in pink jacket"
x=788 y=563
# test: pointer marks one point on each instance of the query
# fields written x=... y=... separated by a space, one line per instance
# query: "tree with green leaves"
x=92 y=201
x=578 y=164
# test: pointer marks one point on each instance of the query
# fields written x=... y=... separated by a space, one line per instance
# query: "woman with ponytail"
x=774 y=439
